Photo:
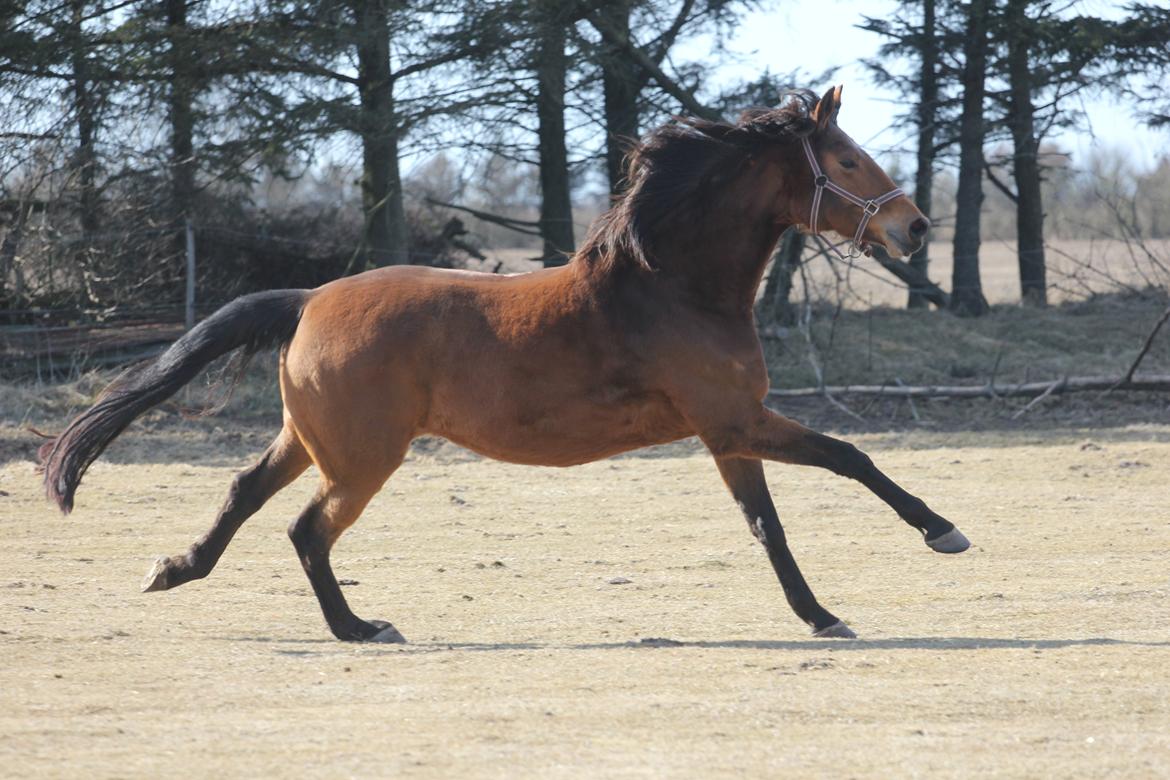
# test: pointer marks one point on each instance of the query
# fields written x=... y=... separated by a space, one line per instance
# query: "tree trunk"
x=85 y=158
x=386 y=238
x=1026 y=163
x=927 y=106
x=181 y=116
x=621 y=84
x=967 y=289
x=8 y=267
x=556 y=213
x=776 y=304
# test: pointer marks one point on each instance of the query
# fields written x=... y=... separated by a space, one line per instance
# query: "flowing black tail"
x=254 y=322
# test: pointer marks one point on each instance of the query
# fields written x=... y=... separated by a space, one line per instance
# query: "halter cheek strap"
x=868 y=207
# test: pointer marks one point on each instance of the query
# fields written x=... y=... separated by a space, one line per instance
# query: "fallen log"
x=524 y=226
x=1153 y=382
x=914 y=279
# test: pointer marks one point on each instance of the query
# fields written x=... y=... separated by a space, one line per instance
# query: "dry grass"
x=1099 y=336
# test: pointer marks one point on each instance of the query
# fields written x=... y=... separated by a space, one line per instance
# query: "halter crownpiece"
x=868 y=207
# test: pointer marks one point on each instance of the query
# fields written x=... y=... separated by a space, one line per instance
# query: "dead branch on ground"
x=1151 y=383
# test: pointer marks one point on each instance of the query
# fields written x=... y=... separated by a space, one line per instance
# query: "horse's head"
x=850 y=193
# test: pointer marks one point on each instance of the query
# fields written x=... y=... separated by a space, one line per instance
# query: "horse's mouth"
x=867 y=248
x=894 y=246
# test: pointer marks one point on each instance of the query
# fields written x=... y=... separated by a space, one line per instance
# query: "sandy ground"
x=1042 y=652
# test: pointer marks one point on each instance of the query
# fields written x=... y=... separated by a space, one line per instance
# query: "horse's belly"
x=567 y=433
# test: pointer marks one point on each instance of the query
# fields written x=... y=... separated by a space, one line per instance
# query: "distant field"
x=1077 y=269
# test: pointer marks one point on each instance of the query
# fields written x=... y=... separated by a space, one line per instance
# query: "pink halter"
x=868 y=207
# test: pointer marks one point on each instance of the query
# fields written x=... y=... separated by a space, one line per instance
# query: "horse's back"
x=389 y=314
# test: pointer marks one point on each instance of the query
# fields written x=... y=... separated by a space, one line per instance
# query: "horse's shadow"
x=331 y=647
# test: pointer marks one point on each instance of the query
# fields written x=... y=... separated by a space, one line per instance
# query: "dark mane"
x=671 y=172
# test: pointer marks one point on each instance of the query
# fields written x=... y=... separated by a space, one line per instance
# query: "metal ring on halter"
x=869 y=208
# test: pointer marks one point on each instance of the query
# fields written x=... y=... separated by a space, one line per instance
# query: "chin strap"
x=868 y=207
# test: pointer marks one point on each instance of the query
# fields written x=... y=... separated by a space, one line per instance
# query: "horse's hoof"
x=952 y=541
x=156 y=578
x=389 y=635
x=836 y=631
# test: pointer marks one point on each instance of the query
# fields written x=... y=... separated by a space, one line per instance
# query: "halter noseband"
x=868 y=207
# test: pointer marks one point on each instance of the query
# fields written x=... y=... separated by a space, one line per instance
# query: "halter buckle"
x=871 y=207
x=821 y=180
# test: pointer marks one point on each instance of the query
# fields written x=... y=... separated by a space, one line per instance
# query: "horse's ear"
x=825 y=112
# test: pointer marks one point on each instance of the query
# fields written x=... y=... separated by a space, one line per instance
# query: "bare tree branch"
x=669 y=85
x=999 y=185
x=1128 y=378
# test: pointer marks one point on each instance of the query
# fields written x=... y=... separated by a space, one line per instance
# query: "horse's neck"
x=724 y=264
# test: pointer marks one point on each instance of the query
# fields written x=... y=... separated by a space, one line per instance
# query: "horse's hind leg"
x=313 y=534
x=283 y=461
x=745 y=479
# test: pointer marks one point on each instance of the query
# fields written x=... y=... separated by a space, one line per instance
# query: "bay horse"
x=647 y=336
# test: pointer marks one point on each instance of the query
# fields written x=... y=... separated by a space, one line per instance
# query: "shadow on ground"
x=325 y=646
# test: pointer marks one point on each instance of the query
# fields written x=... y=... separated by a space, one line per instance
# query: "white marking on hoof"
x=952 y=541
x=388 y=636
x=836 y=631
x=156 y=578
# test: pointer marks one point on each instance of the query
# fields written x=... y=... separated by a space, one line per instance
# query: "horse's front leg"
x=761 y=433
x=745 y=479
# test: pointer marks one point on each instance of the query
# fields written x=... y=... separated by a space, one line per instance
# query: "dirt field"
x=1043 y=651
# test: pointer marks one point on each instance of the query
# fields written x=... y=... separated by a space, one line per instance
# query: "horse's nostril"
x=919 y=227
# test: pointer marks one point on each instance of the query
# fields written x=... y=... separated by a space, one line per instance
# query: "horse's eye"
x=848 y=164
